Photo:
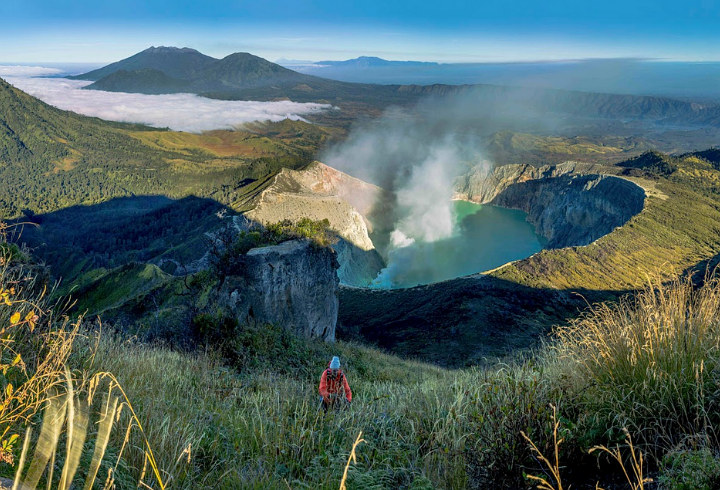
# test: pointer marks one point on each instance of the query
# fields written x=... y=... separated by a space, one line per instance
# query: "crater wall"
x=568 y=204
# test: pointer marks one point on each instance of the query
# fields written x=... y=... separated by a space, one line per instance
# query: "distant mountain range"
x=170 y=70
x=373 y=61
x=164 y=70
x=620 y=76
x=243 y=76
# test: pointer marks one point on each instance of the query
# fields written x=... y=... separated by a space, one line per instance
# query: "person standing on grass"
x=334 y=388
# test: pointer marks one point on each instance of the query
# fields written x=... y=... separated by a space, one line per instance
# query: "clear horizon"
x=457 y=32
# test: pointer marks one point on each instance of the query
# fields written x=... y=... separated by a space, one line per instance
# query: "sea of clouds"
x=180 y=112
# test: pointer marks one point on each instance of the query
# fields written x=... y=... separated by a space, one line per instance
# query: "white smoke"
x=180 y=112
x=425 y=200
x=417 y=159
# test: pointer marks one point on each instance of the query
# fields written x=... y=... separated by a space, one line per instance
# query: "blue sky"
x=446 y=31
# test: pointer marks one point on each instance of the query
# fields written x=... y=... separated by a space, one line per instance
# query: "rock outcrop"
x=569 y=204
x=294 y=284
x=321 y=192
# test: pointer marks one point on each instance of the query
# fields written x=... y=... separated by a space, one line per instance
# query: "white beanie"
x=335 y=363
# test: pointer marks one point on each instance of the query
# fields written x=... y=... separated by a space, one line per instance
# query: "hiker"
x=334 y=387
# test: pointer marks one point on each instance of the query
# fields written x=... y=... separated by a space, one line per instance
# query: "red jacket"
x=330 y=384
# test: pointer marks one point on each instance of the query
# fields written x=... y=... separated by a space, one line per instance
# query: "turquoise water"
x=485 y=237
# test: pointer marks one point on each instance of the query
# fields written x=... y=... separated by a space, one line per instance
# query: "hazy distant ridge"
x=243 y=76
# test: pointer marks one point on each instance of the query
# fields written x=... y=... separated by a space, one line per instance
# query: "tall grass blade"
x=23 y=455
x=78 y=433
x=107 y=418
x=47 y=442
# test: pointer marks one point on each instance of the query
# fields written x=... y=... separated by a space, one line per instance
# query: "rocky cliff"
x=321 y=192
x=294 y=284
x=570 y=204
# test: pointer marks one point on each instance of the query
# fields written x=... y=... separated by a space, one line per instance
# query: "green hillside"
x=145 y=80
x=51 y=159
x=240 y=407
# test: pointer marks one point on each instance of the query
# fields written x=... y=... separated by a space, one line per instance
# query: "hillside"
x=243 y=404
x=144 y=80
x=51 y=159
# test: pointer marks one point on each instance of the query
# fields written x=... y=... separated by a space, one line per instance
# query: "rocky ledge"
x=321 y=192
x=294 y=284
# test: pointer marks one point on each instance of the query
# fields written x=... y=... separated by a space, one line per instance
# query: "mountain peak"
x=244 y=56
x=373 y=61
x=180 y=63
x=169 y=49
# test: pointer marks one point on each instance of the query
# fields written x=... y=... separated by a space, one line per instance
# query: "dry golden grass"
x=351 y=458
x=635 y=476
x=649 y=362
x=553 y=465
x=36 y=343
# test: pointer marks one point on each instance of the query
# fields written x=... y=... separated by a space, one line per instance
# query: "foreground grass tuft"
x=648 y=363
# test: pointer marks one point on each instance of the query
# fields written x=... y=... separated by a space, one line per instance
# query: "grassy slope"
x=113 y=289
x=51 y=159
x=253 y=422
x=514 y=147
x=679 y=228
x=259 y=427
x=249 y=418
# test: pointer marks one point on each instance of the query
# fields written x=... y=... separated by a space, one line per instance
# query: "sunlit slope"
x=678 y=229
x=515 y=147
x=51 y=159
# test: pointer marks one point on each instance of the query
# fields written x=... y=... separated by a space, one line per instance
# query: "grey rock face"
x=321 y=192
x=358 y=267
x=568 y=204
x=294 y=284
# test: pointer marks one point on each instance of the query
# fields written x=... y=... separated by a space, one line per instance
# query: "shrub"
x=648 y=363
x=227 y=248
x=690 y=468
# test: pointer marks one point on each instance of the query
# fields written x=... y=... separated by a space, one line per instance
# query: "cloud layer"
x=26 y=71
x=181 y=112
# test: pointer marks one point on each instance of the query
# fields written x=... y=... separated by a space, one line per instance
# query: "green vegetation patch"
x=677 y=230
x=653 y=163
x=118 y=286
x=52 y=159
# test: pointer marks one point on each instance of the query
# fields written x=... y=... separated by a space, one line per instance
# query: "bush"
x=317 y=231
x=690 y=468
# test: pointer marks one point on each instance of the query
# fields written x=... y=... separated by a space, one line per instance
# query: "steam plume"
x=416 y=156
